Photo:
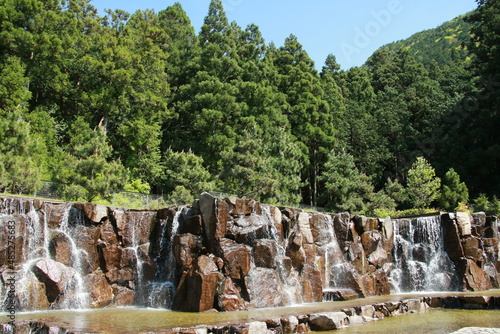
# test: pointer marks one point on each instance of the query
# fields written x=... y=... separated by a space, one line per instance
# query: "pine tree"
x=422 y=185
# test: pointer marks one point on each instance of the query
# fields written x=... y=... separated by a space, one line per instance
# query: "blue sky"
x=351 y=30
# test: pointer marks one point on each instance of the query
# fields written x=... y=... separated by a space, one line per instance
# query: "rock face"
x=224 y=254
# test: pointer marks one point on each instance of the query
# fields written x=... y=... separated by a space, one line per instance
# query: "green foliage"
x=453 y=192
x=422 y=184
x=87 y=171
x=346 y=188
x=483 y=204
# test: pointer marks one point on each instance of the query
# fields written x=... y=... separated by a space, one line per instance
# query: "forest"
x=141 y=102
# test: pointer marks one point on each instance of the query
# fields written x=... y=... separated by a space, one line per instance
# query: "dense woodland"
x=142 y=102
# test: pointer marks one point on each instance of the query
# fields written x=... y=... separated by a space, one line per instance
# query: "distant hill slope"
x=442 y=44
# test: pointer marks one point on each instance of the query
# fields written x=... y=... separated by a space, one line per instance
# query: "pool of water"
x=436 y=321
x=140 y=320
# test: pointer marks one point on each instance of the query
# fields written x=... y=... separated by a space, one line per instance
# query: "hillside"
x=442 y=44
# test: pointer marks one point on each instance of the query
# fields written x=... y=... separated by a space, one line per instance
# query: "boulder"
x=60 y=249
x=193 y=225
x=37 y=296
x=451 y=239
x=290 y=324
x=196 y=290
x=101 y=293
x=464 y=223
x=312 y=287
x=322 y=229
x=265 y=252
x=378 y=258
x=122 y=296
x=278 y=222
x=97 y=213
x=111 y=256
x=264 y=287
x=472 y=248
x=228 y=297
x=55 y=214
x=473 y=277
x=237 y=258
x=120 y=276
x=387 y=234
x=295 y=251
x=343 y=230
x=242 y=207
x=328 y=321
x=20 y=251
x=56 y=277
x=186 y=248
x=370 y=241
x=214 y=213
x=339 y=295
x=249 y=228
x=133 y=227
x=358 y=258
x=304 y=227
x=108 y=233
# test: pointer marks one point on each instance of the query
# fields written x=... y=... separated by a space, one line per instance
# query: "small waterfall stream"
x=420 y=262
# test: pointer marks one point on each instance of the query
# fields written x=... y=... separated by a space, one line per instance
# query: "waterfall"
x=420 y=262
x=163 y=289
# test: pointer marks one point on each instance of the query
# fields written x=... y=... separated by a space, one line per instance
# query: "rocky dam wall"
x=231 y=254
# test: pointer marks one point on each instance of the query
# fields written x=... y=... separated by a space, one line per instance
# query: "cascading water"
x=163 y=289
x=420 y=262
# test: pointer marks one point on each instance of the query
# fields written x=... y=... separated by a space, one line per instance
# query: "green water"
x=140 y=320
x=434 y=322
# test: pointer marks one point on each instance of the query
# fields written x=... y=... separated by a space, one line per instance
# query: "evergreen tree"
x=88 y=171
x=422 y=184
x=453 y=192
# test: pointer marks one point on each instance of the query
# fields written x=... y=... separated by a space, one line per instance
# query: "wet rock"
x=37 y=299
x=304 y=228
x=322 y=229
x=339 y=295
x=249 y=228
x=19 y=250
x=328 y=321
x=186 y=248
x=123 y=296
x=378 y=258
x=471 y=246
x=60 y=249
x=120 y=276
x=108 y=233
x=312 y=287
x=111 y=256
x=387 y=234
x=193 y=225
x=214 y=213
x=55 y=214
x=358 y=258
x=278 y=223
x=196 y=291
x=473 y=277
x=265 y=252
x=228 y=297
x=342 y=226
x=101 y=293
x=56 y=276
x=237 y=258
x=243 y=207
x=370 y=241
x=451 y=239
x=264 y=287
x=290 y=324
x=295 y=251
x=133 y=227
x=97 y=213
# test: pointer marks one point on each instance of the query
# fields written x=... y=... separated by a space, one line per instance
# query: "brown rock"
x=237 y=258
x=7 y=231
x=214 y=213
x=101 y=293
x=243 y=207
x=193 y=225
x=37 y=299
x=108 y=233
x=278 y=222
x=60 y=249
x=312 y=287
x=248 y=228
x=451 y=236
x=342 y=226
x=370 y=241
x=265 y=252
x=322 y=229
x=471 y=247
x=304 y=228
x=196 y=290
x=228 y=297
x=382 y=285
x=295 y=251
x=464 y=223
x=120 y=276
x=133 y=227
x=55 y=214
x=358 y=258
x=328 y=321
x=56 y=276
x=123 y=296
x=186 y=249
x=111 y=256
x=378 y=258
x=264 y=287
x=95 y=212
x=473 y=277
